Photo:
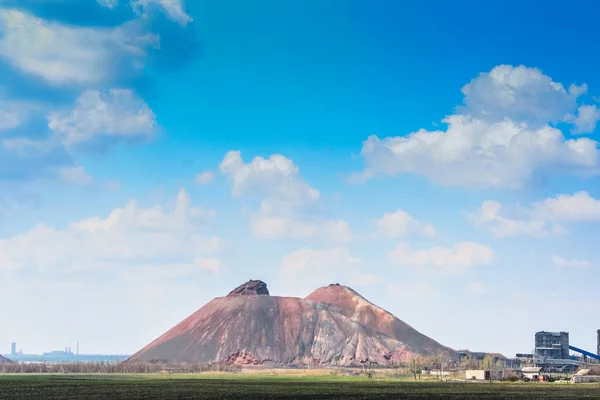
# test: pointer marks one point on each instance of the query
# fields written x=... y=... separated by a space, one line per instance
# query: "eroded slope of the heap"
x=349 y=303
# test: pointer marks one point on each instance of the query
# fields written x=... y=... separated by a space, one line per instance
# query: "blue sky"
x=440 y=160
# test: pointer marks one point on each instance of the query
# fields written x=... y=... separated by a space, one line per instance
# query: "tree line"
x=415 y=367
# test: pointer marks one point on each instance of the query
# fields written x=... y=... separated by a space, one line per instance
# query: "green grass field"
x=47 y=387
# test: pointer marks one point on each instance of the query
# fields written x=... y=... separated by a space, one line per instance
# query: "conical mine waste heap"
x=332 y=326
x=4 y=359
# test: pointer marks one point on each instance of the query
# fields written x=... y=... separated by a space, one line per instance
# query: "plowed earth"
x=104 y=387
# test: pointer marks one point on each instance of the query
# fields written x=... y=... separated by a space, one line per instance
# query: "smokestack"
x=78 y=343
x=598 y=343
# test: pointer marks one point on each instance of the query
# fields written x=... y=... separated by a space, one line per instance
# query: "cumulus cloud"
x=276 y=176
x=75 y=174
x=579 y=206
x=519 y=94
x=400 y=223
x=500 y=138
x=489 y=216
x=586 y=120
x=70 y=55
x=310 y=268
x=118 y=115
x=541 y=219
x=173 y=8
x=205 y=178
x=131 y=236
x=474 y=153
x=288 y=205
x=97 y=121
x=564 y=263
x=49 y=52
x=443 y=260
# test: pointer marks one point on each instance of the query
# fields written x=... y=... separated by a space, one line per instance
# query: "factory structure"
x=553 y=357
x=552 y=354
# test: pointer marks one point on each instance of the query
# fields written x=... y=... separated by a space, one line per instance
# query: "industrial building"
x=551 y=352
x=13 y=348
x=553 y=345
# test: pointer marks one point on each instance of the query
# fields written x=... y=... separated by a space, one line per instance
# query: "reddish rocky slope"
x=352 y=305
x=250 y=327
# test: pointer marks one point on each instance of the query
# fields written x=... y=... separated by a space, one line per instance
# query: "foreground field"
x=49 y=387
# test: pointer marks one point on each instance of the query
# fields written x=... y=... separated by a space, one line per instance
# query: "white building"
x=483 y=375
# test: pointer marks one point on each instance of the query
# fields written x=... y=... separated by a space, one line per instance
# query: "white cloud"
x=308 y=268
x=519 y=94
x=288 y=205
x=489 y=217
x=208 y=264
x=14 y=113
x=443 y=260
x=117 y=114
x=173 y=8
x=579 y=206
x=400 y=223
x=63 y=54
x=205 y=178
x=564 y=263
x=586 y=120
x=478 y=287
x=541 y=219
x=75 y=174
x=265 y=227
x=276 y=176
x=500 y=138
x=108 y=3
x=132 y=236
x=473 y=153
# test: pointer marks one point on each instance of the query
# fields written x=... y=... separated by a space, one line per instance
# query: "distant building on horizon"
x=59 y=353
x=13 y=348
